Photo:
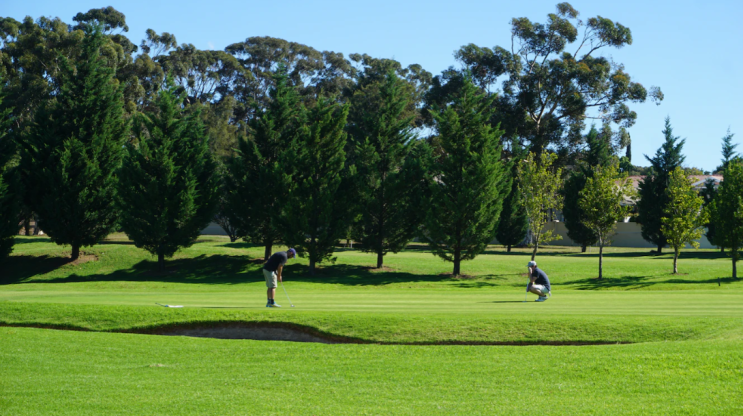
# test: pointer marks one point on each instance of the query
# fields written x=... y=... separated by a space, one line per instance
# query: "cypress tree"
x=513 y=223
x=727 y=212
x=728 y=151
x=652 y=189
x=256 y=193
x=74 y=149
x=389 y=208
x=168 y=190
x=316 y=213
x=470 y=179
x=10 y=198
x=708 y=194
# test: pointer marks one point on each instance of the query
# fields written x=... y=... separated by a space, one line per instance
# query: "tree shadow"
x=638 y=282
x=214 y=269
x=31 y=240
x=17 y=269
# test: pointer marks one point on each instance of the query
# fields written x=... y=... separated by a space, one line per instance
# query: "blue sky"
x=692 y=49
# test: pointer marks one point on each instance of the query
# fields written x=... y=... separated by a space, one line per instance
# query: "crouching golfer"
x=539 y=283
x=272 y=271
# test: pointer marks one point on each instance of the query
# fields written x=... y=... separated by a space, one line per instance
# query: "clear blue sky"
x=690 y=48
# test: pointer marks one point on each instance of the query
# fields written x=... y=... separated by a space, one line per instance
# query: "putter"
x=287 y=295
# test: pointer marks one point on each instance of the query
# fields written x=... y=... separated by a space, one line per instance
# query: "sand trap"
x=254 y=333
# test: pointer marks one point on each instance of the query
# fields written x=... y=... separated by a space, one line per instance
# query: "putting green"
x=484 y=302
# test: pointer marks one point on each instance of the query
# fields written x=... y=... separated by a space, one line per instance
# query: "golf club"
x=287 y=295
x=527 y=290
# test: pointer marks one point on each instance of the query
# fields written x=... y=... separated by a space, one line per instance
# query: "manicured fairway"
x=686 y=355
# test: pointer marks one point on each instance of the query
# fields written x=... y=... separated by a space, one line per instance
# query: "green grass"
x=687 y=334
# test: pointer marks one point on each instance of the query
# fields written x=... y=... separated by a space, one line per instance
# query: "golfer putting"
x=272 y=272
x=539 y=283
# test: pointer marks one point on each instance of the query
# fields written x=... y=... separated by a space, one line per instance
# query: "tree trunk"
x=509 y=249
x=722 y=249
x=534 y=252
x=735 y=260
x=583 y=248
x=75 y=252
x=601 y=261
x=311 y=269
x=380 y=260
x=267 y=250
x=457 y=262
x=161 y=262
x=660 y=248
x=675 y=261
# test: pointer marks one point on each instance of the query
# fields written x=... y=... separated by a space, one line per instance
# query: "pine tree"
x=513 y=223
x=256 y=193
x=74 y=150
x=470 y=180
x=10 y=197
x=389 y=210
x=316 y=213
x=683 y=218
x=601 y=202
x=728 y=151
x=708 y=194
x=168 y=189
x=653 y=198
x=727 y=212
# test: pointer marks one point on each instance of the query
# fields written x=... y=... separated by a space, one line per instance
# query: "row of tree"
x=289 y=144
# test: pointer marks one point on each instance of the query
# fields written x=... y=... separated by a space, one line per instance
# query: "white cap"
x=532 y=264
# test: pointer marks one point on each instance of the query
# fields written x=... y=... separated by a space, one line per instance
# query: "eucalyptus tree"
x=547 y=90
x=307 y=69
x=653 y=195
x=74 y=148
x=470 y=179
x=683 y=217
x=601 y=202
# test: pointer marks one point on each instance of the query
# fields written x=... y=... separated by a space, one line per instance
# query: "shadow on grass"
x=34 y=239
x=638 y=282
x=16 y=269
x=214 y=269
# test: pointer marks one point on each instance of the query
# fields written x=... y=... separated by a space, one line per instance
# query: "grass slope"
x=58 y=372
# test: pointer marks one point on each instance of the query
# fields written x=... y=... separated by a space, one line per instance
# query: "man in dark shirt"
x=272 y=272
x=539 y=283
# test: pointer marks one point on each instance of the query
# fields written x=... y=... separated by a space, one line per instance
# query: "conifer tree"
x=728 y=151
x=256 y=193
x=389 y=201
x=513 y=223
x=470 y=179
x=727 y=212
x=683 y=219
x=708 y=194
x=653 y=198
x=168 y=189
x=74 y=149
x=316 y=213
x=10 y=198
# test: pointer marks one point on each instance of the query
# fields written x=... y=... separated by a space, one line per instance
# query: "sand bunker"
x=254 y=333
